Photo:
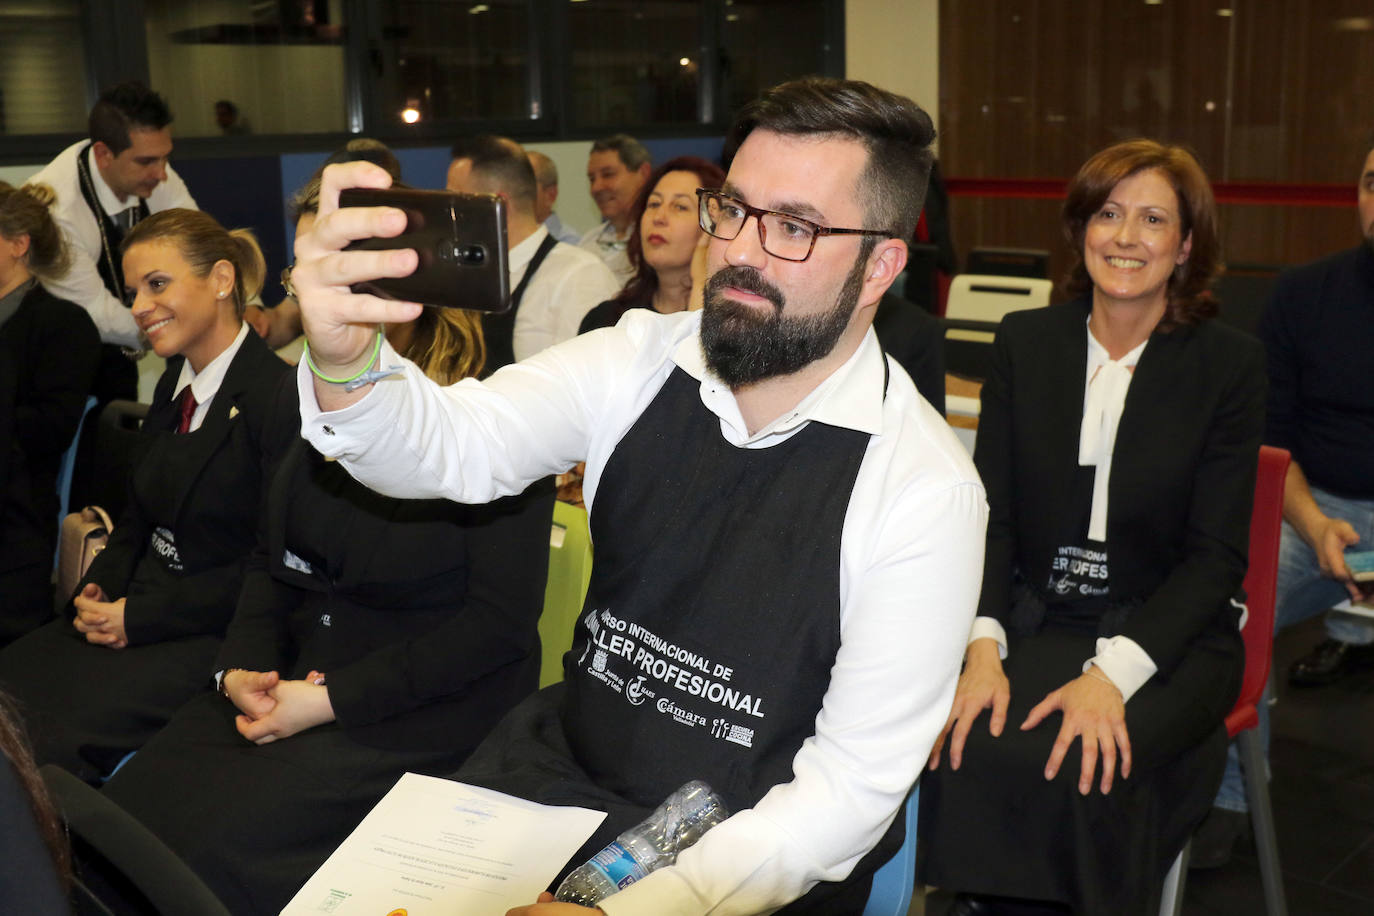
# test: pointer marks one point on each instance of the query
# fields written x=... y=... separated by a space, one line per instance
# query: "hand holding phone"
x=460 y=240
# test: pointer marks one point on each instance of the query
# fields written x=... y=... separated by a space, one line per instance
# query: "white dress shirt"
x=205 y=383
x=1106 y=381
x=611 y=248
x=910 y=567
x=561 y=230
x=82 y=284
x=568 y=284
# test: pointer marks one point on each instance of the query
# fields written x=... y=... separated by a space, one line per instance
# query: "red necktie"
x=188 y=408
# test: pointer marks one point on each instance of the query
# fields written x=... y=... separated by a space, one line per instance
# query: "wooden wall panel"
x=1279 y=91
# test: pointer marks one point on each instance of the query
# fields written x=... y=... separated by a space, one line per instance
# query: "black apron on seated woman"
x=422 y=616
x=708 y=633
x=176 y=556
x=990 y=826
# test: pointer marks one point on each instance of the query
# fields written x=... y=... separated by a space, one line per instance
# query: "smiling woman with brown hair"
x=1118 y=441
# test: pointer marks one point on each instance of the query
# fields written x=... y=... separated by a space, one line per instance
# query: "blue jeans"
x=1303 y=592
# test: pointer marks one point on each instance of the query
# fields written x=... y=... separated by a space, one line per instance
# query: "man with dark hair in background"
x=616 y=170
x=106 y=184
x=546 y=195
x=553 y=284
x=789 y=539
x=1318 y=334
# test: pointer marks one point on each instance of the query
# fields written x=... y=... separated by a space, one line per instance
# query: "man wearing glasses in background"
x=788 y=539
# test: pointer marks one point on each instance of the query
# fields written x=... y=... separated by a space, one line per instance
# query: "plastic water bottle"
x=676 y=824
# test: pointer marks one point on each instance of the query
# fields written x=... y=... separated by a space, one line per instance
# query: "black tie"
x=126 y=218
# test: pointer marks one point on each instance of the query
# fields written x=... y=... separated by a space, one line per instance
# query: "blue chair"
x=894 y=882
x=64 y=470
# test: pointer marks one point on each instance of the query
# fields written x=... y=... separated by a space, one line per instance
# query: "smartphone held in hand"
x=461 y=241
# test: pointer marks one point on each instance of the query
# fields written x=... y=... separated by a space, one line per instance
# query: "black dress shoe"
x=1331 y=660
x=1215 y=838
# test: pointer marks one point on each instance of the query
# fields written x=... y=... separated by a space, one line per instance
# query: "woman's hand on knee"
x=982 y=685
x=1094 y=712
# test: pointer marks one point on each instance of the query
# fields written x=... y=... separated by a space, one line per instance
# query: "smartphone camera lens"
x=473 y=255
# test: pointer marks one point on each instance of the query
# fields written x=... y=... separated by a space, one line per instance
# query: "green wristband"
x=309 y=363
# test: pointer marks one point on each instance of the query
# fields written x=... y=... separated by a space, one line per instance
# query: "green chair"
x=570 y=569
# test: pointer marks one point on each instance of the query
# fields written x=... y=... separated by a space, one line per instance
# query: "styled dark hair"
x=365 y=149
x=631 y=152
x=1188 y=292
x=126 y=107
x=895 y=130
x=499 y=165
x=361 y=149
x=24 y=211
x=639 y=291
x=203 y=243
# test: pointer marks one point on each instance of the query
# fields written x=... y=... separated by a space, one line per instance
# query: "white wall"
x=895 y=44
x=278 y=88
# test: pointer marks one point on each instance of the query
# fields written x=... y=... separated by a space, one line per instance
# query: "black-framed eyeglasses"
x=781 y=234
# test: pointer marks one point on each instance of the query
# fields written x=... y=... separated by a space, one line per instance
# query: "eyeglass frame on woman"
x=817 y=230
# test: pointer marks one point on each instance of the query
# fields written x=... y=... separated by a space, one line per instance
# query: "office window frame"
x=116 y=50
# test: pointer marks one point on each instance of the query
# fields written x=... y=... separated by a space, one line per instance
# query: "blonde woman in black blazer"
x=1118 y=441
x=140 y=635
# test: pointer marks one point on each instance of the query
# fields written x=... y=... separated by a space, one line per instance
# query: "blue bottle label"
x=616 y=863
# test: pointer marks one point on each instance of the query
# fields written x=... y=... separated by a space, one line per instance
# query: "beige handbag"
x=84 y=534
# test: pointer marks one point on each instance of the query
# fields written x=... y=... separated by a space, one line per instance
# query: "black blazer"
x=1182 y=480
x=49 y=350
x=216 y=488
x=423 y=613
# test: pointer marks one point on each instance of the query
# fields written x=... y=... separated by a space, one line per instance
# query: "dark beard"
x=743 y=347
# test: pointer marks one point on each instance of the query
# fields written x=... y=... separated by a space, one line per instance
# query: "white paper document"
x=434 y=847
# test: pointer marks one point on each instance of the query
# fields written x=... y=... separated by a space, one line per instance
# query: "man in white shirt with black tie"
x=106 y=184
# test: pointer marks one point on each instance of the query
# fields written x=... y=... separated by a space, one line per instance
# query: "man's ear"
x=644 y=170
x=886 y=262
x=103 y=155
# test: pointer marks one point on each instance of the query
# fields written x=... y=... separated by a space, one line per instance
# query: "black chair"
x=1244 y=291
x=969 y=359
x=121 y=867
x=922 y=285
x=118 y=447
x=1009 y=262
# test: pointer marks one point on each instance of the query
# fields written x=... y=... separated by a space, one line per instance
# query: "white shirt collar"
x=109 y=201
x=1104 y=398
x=522 y=254
x=850 y=398
x=606 y=235
x=205 y=383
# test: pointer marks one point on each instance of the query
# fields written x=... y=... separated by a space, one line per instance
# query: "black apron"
x=117 y=377
x=709 y=630
x=498 y=330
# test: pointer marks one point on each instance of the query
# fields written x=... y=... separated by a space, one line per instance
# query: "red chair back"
x=1261 y=580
